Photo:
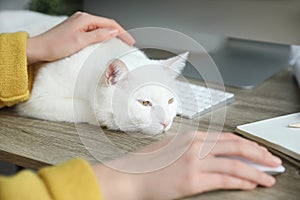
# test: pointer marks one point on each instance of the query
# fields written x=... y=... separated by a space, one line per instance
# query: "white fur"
x=114 y=102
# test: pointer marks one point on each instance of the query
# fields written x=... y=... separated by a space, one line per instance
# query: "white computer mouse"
x=269 y=170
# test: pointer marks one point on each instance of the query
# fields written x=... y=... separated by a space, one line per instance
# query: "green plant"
x=56 y=7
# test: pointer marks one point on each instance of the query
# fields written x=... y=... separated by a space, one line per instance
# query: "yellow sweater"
x=73 y=180
x=15 y=77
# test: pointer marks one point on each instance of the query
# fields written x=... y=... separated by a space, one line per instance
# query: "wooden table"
x=35 y=143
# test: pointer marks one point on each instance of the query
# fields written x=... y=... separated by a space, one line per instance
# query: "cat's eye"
x=145 y=103
x=171 y=101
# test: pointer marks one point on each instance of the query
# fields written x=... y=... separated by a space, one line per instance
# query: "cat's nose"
x=164 y=124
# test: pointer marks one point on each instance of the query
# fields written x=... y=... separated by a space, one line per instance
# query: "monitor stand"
x=245 y=64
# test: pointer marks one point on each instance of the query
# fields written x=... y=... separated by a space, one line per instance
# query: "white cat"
x=128 y=97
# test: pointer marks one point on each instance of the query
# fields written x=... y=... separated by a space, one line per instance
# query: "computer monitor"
x=248 y=40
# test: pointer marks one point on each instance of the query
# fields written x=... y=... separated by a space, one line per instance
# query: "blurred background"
x=249 y=40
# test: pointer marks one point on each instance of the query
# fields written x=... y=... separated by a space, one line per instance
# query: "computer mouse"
x=269 y=170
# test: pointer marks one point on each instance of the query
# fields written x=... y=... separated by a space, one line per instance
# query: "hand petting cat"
x=73 y=34
x=150 y=109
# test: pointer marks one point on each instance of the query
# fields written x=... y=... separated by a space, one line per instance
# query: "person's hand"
x=189 y=174
x=73 y=34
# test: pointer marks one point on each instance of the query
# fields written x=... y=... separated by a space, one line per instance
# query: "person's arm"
x=186 y=175
x=15 y=77
x=74 y=179
x=73 y=34
x=189 y=174
x=17 y=51
x=71 y=180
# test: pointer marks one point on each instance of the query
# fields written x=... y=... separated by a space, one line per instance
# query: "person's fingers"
x=124 y=35
x=231 y=136
x=246 y=149
x=238 y=169
x=105 y=22
x=215 y=181
x=100 y=35
x=127 y=38
x=92 y=22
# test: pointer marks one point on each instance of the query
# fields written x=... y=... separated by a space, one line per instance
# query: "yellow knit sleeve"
x=24 y=185
x=73 y=180
x=15 y=77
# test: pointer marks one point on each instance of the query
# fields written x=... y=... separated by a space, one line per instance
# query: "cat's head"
x=144 y=99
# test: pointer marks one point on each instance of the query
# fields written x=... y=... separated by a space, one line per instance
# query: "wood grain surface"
x=35 y=143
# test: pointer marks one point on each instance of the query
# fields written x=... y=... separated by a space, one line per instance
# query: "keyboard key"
x=197 y=100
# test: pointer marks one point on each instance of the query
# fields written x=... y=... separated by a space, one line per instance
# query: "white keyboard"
x=196 y=100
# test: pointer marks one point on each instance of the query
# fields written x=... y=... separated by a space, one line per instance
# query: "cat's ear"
x=176 y=63
x=115 y=72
